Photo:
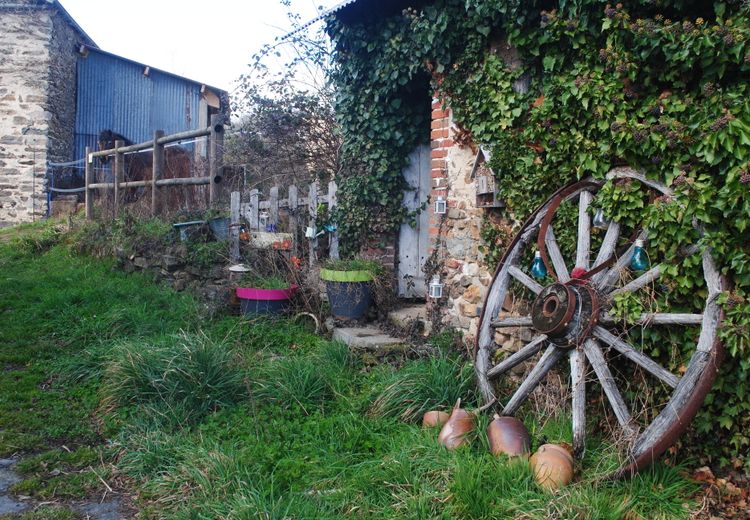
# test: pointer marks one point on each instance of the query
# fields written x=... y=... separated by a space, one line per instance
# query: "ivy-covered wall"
x=660 y=86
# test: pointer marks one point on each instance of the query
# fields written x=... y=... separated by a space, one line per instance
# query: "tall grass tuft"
x=424 y=385
x=182 y=381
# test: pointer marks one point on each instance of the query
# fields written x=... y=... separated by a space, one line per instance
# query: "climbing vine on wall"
x=660 y=86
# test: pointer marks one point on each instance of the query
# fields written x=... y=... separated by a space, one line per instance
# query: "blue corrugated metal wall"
x=113 y=94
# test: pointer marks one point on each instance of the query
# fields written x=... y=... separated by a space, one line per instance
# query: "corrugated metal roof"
x=114 y=94
x=321 y=16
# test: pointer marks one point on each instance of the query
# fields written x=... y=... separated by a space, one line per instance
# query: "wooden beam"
x=578 y=400
x=584 y=230
x=643 y=280
x=636 y=356
x=555 y=256
x=119 y=175
x=525 y=279
x=596 y=358
x=607 y=278
x=157 y=172
x=609 y=244
x=548 y=360
x=657 y=318
x=234 y=228
x=215 y=157
x=527 y=351
x=512 y=321
x=88 y=179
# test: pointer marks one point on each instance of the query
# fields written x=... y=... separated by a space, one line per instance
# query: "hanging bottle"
x=639 y=260
x=538 y=269
x=600 y=221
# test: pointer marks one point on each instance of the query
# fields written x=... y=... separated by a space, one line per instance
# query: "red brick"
x=438 y=154
x=447 y=143
x=437 y=134
x=433 y=232
x=439 y=114
x=436 y=104
x=439 y=123
x=437 y=163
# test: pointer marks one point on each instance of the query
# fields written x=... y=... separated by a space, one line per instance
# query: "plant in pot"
x=264 y=294
x=348 y=286
x=218 y=222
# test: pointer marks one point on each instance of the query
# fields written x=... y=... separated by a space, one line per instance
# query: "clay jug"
x=456 y=429
x=508 y=436
x=552 y=466
x=434 y=419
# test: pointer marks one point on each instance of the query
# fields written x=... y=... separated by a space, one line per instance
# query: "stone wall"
x=37 y=103
x=24 y=118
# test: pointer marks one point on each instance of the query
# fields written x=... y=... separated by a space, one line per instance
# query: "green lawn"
x=105 y=376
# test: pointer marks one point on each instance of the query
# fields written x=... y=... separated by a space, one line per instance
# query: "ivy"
x=659 y=86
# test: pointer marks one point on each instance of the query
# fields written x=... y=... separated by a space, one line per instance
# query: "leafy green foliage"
x=658 y=86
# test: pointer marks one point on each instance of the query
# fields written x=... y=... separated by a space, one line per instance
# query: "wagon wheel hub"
x=566 y=313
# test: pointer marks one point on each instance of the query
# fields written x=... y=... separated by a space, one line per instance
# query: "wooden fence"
x=215 y=134
x=300 y=211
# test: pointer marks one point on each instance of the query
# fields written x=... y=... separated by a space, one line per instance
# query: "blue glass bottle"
x=538 y=269
x=639 y=260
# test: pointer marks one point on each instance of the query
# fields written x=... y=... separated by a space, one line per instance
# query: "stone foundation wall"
x=24 y=116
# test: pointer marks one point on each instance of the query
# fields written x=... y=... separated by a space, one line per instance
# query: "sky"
x=207 y=41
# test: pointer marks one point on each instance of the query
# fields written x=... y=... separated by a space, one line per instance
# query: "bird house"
x=484 y=181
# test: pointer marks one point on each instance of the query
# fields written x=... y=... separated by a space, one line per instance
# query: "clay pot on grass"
x=552 y=466
x=508 y=436
x=457 y=428
x=434 y=419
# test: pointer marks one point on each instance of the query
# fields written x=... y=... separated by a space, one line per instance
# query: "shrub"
x=183 y=380
x=423 y=385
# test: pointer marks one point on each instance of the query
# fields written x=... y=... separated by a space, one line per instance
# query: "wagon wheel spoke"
x=524 y=353
x=512 y=321
x=525 y=279
x=604 y=375
x=609 y=243
x=548 y=360
x=553 y=250
x=636 y=356
x=645 y=279
x=657 y=318
x=578 y=401
x=584 y=230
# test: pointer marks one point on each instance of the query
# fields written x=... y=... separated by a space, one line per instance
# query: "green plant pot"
x=348 y=292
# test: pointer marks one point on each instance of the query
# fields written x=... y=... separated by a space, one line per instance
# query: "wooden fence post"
x=234 y=226
x=157 y=171
x=273 y=207
x=334 y=238
x=89 y=168
x=215 y=155
x=312 y=207
x=253 y=209
x=292 y=207
x=119 y=174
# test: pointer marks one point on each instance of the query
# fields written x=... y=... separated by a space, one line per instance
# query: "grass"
x=108 y=376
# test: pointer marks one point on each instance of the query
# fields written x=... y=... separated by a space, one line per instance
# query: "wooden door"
x=414 y=240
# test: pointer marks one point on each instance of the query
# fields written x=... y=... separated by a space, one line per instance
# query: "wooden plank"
x=184 y=181
x=119 y=175
x=157 y=172
x=584 y=230
x=312 y=211
x=102 y=185
x=712 y=311
x=234 y=227
x=596 y=358
x=293 y=216
x=215 y=157
x=333 y=250
x=273 y=206
x=525 y=279
x=643 y=280
x=556 y=257
x=609 y=244
x=578 y=400
x=253 y=210
x=88 y=179
x=657 y=318
x=512 y=321
x=607 y=278
x=636 y=356
x=624 y=172
x=548 y=360
x=527 y=351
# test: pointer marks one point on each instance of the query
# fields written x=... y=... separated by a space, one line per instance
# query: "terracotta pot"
x=508 y=436
x=456 y=428
x=434 y=419
x=552 y=466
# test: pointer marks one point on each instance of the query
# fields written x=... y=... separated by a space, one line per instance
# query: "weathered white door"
x=414 y=241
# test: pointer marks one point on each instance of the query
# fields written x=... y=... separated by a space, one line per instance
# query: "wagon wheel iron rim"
x=568 y=318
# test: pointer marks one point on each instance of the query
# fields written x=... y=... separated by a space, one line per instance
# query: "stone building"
x=38 y=53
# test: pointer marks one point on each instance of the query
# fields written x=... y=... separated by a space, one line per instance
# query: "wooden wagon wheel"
x=568 y=320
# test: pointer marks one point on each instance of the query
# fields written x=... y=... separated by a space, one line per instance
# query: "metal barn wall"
x=114 y=94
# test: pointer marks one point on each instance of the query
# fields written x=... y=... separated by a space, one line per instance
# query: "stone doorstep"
x=367 y=338
x=405 y=317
